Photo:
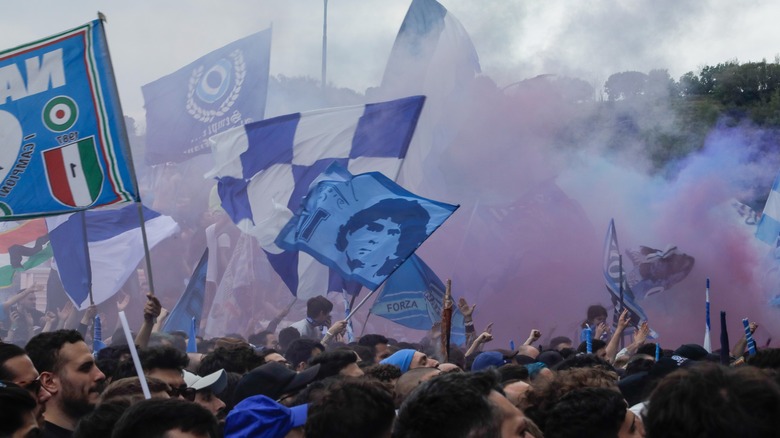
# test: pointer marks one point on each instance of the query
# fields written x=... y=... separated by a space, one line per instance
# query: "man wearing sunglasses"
x=16 y=367
x=167 y=364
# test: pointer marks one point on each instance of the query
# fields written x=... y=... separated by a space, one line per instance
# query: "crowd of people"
x=306 y=380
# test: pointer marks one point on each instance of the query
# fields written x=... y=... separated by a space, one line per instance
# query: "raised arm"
x=614 y=341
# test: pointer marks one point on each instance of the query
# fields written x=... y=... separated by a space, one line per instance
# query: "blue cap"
x=261 y=417
x=489 y=359
x=401 y=358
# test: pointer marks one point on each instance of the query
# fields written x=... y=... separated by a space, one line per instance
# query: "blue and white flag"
x=115 y=249
x=432 y=55
x=61 y=127
x=616 y=280
x=413 y=297
x=768 y=229
x=363 y=226
x=219 y=91
x=265 y=170
x=432 y=51
x=190 y=304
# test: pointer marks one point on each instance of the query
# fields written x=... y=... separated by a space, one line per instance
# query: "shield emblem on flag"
x=73 y=173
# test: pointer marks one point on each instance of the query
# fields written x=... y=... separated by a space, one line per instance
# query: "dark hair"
x=366 y=354
x=513 y=372
x=287 y=336
x=583 y=361
x=357 y=408
x=300 y=351
x=7 y=352
x=107 y=359
x=595 y=344
x=648 y=349
x=711 y=400
x=100 y=422
x=129 y=388
x=164 y=358
x=331 y=362
x=638 y=363
x=371 y=340
x=411 y=217
x=591 y=412
x=15 y=402
x=258 y=339
x=558 y=340
x=317 y=305
x=383 y=372
x=595 y=311
x=155 y=417
x=239 y=359
x=44 y=348
x=766 y=358
x=454 y=405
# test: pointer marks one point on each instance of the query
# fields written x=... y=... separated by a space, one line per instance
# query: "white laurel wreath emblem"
x=204 y=115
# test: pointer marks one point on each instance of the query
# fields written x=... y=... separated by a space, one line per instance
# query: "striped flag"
x=265 y=169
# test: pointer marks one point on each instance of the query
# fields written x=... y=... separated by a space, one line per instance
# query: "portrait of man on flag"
x=363 y=226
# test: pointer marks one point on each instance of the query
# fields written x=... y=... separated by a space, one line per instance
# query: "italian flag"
x=74 y=174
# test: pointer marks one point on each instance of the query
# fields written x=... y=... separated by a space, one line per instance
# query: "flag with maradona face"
x=61 y=127
x=221 y=90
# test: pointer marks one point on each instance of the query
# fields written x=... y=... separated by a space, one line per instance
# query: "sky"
x=501 y=147
x=515 y=39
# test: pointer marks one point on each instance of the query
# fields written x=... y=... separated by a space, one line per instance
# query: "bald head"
x=410 y=380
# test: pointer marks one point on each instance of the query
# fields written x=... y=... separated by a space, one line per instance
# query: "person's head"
x=130 y=389
x=515 y=391
x=488 y=359
x=287 y=336
x=383 y=372
x=264 y=339
x=596 y=315
x=352 y=408
x=378 y=345
x=166 y=364
x=337 y=362
x=592 y=412
x=711 y=400
x=598 y=347
x=377 y=237
x=17 y=411
x=318 y=309
x=408 y=359
x=100 y=422
x=559 y=342
x=459 y=405
x=28 y=302
x=16 y=367
x=166 y=418
x=528 y=350
x=68 y=372
x=411 y=380
x=207 y=390
x=271 y=355
x=301 y=351
x=237 y=359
